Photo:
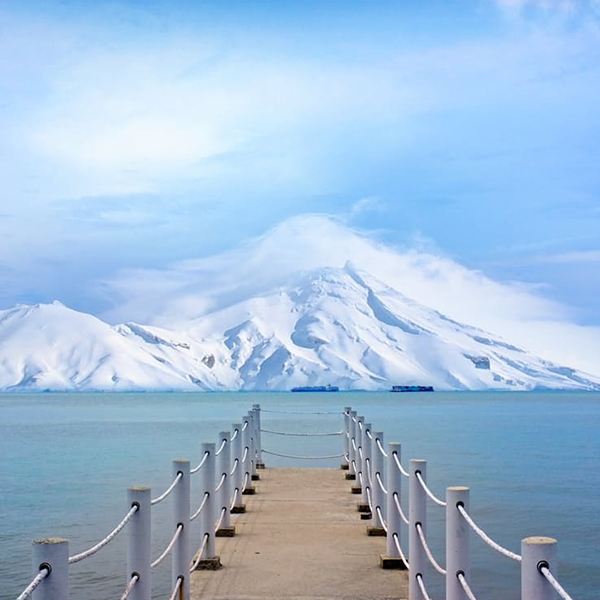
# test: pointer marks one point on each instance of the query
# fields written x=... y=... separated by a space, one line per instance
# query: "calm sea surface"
x=532 y=461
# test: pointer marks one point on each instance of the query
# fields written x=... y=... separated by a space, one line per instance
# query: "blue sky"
x=138 y=134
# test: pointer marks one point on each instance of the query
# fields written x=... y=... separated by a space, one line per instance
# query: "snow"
x=329 y=325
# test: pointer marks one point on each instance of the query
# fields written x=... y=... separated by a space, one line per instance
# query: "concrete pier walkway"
x=301 y=538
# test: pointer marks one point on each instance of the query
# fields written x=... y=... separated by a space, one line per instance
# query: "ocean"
x=532 y=461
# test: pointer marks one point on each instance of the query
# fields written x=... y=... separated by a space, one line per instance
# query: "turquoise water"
x=532 y=461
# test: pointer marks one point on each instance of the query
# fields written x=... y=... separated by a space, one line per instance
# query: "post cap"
x=139 y=488
x=458 y=488
x=51 y=540
x=538 y=540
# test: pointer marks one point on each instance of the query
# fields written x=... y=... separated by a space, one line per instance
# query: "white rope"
x=485 y=537
x=422 y=586
x=236 y=432
x=383 y=488
x=168 y=548
x=293 y=412
x=369 y=500
x=368 y=468
x=290 y=433
x=303 y=457
x=234 y=498
x=168 y=490
x=465 y=586
x=428 y=491
x=236 y=462
x=430 y=556
x=368 y=432
x=545 y=571
x=360 y=425
x=220 y=520
x=206 y=495
x=399 y=548
x=221 y=482
x=360 y=453
x=346 y=457
x=26 y=593
x=246 y=479
x=223 y=444
x=91 y=551
x=201 y=464
x=130 y=585
x=245 y=455
x=399 y=465
x=175 y=591
x=245 y=425
x=195 y=563
x=381 y=448
x=400 y=511
x=381 y=519
x=354 y=445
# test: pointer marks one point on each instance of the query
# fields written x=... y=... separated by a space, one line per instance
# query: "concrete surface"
x=301 y=538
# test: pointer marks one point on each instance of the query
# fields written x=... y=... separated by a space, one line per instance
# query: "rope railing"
x=465 y=586
x=422 y=587
x=200 y=464
x=129 y=587
x=176 y=588
x=559 y=589
x=221 y=482
x=35 y=582
x=434 y=563
x=220 y=449
x=301 y=434
x=399 y=509
x=194 y=564
x=381 y=485
x=233 y=498
x=301 y=457
x=236 y=462
x=160 y=498
x=381 y=448
x=428 y=491
x=399 y=465
x=220 y=519
x=399 y=549
x=202 y=504
x=111 y=536
x=169 y=547
x=234 y=435
x=485 y=537
x=293 y=412
x=381 y=519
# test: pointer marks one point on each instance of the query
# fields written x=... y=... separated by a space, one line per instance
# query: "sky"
x=136 y=135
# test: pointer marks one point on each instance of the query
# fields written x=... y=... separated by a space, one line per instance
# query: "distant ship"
x=316 y=388
x=412 y=388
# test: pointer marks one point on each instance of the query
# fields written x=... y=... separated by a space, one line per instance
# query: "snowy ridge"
x=331 y=325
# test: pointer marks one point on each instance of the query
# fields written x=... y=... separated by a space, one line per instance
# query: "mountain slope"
x=330 y=325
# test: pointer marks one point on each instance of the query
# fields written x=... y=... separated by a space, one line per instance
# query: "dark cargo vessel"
x=412 y=388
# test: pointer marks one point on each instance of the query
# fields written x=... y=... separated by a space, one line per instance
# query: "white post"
x=353 y=459
x=223 y=469
x=417 y=513
x=457 y=542
x=252 y=454
x=537 y=552
x=180 y=559
x=208 y=514
x=365 y=444
x=238 y=475
x=394 y=486
x=259 y=459
x=346 y=435
x=377 y=495
x=358 y=486
x=247 y=464
x=52 y=554
x=139 y=545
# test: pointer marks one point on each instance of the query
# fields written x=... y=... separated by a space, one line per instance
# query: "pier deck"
x=301 y=538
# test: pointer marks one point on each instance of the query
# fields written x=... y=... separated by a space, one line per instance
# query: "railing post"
x=346 y=435
x=417 y=513
x=392 y=560
x=365 y=444
x=180 y=560
x=352 y=452
x=247 y=464
x=536 y=552
x=224 y=496
x=238 y=475
x=208 y=514
x=457 y=542
x=357 y=487
x=252 y=430
x=377 y=495
x=139 y=545
x=259 y=459
x=52 y=553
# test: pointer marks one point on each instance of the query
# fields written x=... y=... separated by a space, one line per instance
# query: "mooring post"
x=180 y=558
x=537 y=552
x=457 y=543
x=417 y=515
x=365 y=445
x=238 y=475
x=377 y=494
x=346 y=441
x=208 y=514
x=352 y=466
x=224 y=495
x=139 y=557
x=357 y=487
x=259 y=459
x=392 y=560
x=52 y=554
x=252 y=453
x=247 y=452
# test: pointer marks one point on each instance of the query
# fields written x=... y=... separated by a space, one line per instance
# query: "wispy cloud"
x=567 y=258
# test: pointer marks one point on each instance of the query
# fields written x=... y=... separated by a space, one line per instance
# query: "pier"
x=355 y=532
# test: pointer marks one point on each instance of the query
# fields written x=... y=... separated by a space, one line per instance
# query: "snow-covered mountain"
x=330 y=325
